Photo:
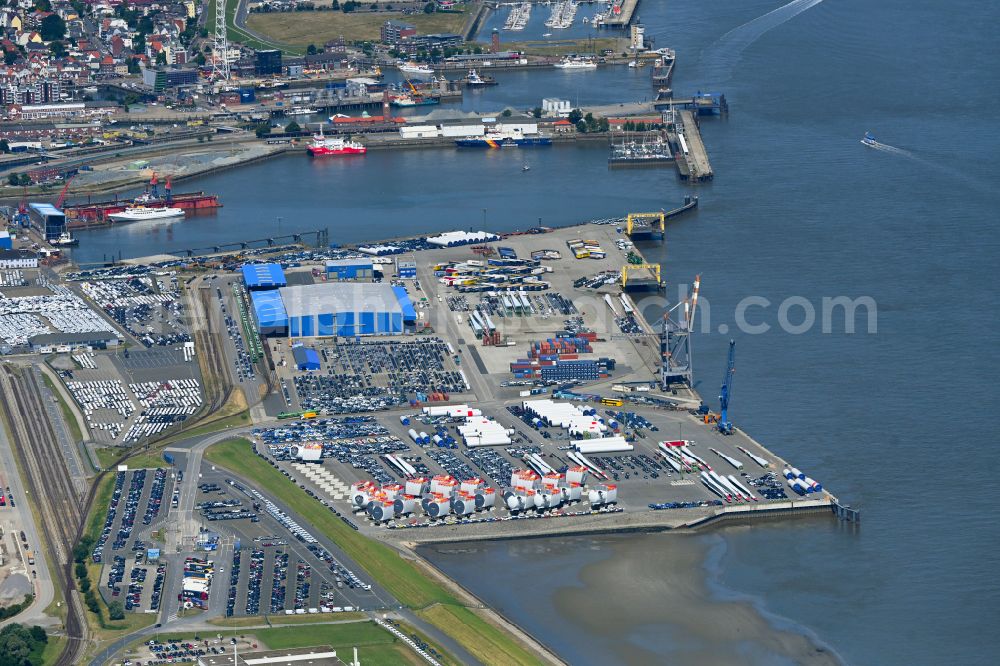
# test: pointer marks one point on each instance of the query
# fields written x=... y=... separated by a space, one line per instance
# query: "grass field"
x=304 y=28
x=402 y=578
x=482 y=639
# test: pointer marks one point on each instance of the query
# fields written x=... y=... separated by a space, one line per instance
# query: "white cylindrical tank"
x=472 y=485
x=405 y=505
x=548 y=499
x=438 y=506
x=486 y=499
x=464 y=504
x=382 y=511
x=414 y=436
x=576 y=474
x=417 y=486
x=514 y=501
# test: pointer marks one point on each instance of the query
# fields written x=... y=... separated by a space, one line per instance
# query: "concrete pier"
x=696 y=158
x=623 y=18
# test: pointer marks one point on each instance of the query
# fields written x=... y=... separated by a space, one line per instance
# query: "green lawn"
x=304 y=28
x=402 y=578
x=238 y=622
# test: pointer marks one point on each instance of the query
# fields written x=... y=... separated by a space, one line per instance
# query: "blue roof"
x=269 y=309
x=263 y=276
x=45 y=209
x=306 y=358
x=409 y=314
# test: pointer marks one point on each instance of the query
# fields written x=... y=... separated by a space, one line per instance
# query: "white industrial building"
x=553 y=106
x=18 y=259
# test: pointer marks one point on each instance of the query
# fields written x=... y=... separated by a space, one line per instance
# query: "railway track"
x=56 y=498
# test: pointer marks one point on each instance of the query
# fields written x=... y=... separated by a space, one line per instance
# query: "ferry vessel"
x=322 y=145
x=140 y=213
x=576 y=63
x=414 y=68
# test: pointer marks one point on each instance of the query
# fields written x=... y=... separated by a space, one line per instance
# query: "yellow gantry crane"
x=646 y=223
x=632 y=269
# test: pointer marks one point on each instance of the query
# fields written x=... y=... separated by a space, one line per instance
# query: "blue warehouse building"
x=346 y=309
x=263 y=276
x=305 y=359
x=48 y=219
x=350 y=269
x=269 y=312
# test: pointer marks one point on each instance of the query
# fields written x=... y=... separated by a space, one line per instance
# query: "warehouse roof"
x=356 y=261
x=72 y=338
x=409 y=314
x=263 y=275
x=45 y=209
x=268 y=308
x=324 y=298
x=306 y=358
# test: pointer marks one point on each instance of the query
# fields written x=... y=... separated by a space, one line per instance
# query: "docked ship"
x=96 y=213
x=497 y=139
x=406 y=100
x=142 y=213
x=301 y=111
x=415 y=68
x=323 y=145
x=869 y=140
x=576 y=63
x=65 y=239
x=474 y=80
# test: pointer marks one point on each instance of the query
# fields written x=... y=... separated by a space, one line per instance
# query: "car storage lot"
x=264 y=542
x=128 y=535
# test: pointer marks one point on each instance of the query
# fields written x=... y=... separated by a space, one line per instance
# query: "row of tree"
x=21 y=645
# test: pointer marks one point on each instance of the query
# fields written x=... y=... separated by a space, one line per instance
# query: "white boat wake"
x=886 y=148
x=722 y=55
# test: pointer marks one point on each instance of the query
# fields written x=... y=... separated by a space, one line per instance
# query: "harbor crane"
x=724 y=425
x=62 y=194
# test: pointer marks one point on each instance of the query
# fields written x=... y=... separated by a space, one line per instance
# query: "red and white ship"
x=322 y=145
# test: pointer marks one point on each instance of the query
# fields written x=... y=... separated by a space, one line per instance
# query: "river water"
x=898 y=422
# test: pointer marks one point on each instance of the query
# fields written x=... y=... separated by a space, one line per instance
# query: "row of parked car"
x=155 y=496
x=131 y=508
x=109 y=520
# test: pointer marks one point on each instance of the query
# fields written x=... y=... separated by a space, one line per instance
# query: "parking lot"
x=136 y=508
x=278 y=567
x=149 y=307
x=371 y=375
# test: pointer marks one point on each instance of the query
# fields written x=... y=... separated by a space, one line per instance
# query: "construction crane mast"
x=676 y=362
x=724 y=425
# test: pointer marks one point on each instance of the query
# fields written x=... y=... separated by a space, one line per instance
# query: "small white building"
x=17 y=259
x=553 y=106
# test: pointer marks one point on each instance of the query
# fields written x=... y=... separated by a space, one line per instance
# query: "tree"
x=52 y=27
x=43 y=5
x=293 y=127
x=603 y=125
x=133 y=66
x=506 y=113
x=429 y=8
x=10 y=57
x=537 y=112
x=199 y=60
x=262 y=130
x=161 y=58
x=581 y=127
x=58 y=49
x=335 y=5
x=13 y=179
x=4 y=146
x=116 y=611
x=311 y=49
x=575 y=116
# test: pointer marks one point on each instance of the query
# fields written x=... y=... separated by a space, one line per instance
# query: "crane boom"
x=62 y=194
x=725 y=427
